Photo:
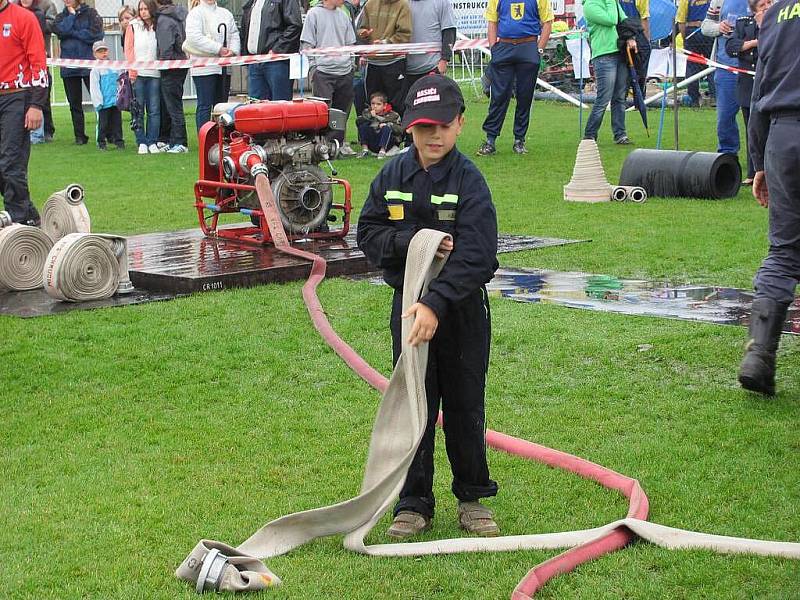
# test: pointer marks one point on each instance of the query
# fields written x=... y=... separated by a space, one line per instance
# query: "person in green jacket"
x=610 y=67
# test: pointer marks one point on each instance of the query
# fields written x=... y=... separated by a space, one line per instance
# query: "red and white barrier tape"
x=700 y=59
x=229 y=61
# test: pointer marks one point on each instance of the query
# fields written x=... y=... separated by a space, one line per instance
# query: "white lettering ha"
x=40 y=79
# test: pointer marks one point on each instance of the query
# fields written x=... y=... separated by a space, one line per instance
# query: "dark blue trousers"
x=455 y=379
x=375 y=139
x=512 y=63
x=780 y=272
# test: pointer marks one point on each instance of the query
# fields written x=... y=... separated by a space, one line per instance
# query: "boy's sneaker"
x=475 y=518
x=408 y=523
x=143 y=149
x=152 y=149
x=346 y=151
x=381 y=154
x=487 y=149
x=623 y=140
x=364 y=153
x=519 y=147
x=393 y=151
x=162 y=147
x=177 y=149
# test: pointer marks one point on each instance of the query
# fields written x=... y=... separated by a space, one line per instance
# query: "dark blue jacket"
x=77 y=33
x=775 y=88
x=451 y=196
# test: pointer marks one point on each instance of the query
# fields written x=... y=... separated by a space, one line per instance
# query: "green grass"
x=130 y=433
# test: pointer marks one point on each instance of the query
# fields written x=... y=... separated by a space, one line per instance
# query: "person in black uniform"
x=434 y=186
x=774 y=133
x=743 y=44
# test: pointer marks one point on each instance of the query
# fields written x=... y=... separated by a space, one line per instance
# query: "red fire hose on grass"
x=397 y=430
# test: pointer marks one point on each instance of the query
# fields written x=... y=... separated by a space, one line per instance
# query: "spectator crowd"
x=375 y=86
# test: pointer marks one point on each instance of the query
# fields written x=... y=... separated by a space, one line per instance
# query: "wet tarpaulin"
x=167 y=265
x=707 y=303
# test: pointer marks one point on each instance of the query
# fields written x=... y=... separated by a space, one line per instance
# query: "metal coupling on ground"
x=210 y=575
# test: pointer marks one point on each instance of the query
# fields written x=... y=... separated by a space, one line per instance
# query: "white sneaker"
x=394 y=151
x=162 y=147
x=142 y=148
x=153 y=149
x=177 y=149
x=381 y=154
x=346 y=151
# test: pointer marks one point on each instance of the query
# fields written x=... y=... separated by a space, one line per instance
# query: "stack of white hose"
x=588 y=183
x=23 y=252
x=65 y=213
x=84 y=266
x=632 y=193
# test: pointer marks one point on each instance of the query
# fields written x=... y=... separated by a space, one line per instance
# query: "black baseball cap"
x=433 y=99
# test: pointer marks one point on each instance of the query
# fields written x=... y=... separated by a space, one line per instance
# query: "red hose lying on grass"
x=539 y=575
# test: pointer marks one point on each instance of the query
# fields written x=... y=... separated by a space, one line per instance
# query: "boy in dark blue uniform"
x=774 y=134
x=434 y=186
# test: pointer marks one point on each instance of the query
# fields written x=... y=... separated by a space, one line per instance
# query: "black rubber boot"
x=757 y=371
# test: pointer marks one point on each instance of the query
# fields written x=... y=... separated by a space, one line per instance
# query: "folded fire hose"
x=65 y=213
x=86 y=266
x=396 y=433
x=23 y=251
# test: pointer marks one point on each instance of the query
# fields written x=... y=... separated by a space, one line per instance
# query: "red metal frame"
x=257 y=235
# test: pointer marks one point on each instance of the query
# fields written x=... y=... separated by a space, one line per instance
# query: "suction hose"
x=621 y=193
x=675 y=173
x=398 y=428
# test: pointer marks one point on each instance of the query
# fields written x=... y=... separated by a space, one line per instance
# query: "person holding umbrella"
x=205 y=36
x=610 y=68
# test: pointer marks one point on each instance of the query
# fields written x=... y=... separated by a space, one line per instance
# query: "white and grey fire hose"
x=397 y=430
x=86 y=266
x=73 y=264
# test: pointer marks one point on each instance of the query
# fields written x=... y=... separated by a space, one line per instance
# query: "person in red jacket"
x=23 y=93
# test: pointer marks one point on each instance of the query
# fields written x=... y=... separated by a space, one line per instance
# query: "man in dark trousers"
x=170 y=35
x=23 y=93
x=774 y=130
x=517 y=35
x=270 y=26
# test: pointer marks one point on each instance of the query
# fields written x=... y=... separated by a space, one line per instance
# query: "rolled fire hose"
x=85 y=266
x=621 y=193
x=23 y=252
x=65 y=213
x=683 y=174
x=396 y=434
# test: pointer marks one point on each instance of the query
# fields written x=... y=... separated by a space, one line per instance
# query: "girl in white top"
x=210 y=31
x=140 y=45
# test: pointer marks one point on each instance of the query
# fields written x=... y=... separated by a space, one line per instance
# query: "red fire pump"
x=287 y=141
